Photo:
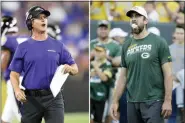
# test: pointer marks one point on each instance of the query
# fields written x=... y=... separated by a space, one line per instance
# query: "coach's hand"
x=66 y=69
x=20 y=95
x=114 y=110
x=166 y=109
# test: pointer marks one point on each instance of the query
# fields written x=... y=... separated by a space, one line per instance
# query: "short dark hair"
x=103 y=26
x=180 y=26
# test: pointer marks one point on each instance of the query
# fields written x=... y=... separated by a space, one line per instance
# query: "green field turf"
x=77 y=118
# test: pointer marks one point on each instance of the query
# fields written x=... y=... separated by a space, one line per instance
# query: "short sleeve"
x=65 y=57
x=123 y=62
x=17 y=61
x=164 y=52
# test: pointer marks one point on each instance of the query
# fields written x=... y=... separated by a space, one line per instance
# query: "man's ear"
x=32 y=22
x=145 y=21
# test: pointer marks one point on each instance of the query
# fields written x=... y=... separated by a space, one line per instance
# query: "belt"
x=39 y=92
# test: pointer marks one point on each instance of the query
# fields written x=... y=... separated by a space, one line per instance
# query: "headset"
x=29 y=17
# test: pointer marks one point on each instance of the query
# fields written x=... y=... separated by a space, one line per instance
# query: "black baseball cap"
x=35 y=11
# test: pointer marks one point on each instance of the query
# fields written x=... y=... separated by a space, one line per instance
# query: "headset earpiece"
x=29 y=24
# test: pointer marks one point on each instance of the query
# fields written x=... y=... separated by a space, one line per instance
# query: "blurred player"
x=9 y=43
x=118 y=35
x=54 y=31
x=113 y=52
x=101 y=76
x=146 y=74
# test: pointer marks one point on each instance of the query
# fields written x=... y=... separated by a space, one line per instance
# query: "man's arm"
x=171 y=13
x=120 y=85
x=116 y=61
x=14 y=78
x=101 y=74
x=168 y=80
x=5 y=58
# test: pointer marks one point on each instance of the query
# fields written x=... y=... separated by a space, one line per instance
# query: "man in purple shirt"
x=39 y=58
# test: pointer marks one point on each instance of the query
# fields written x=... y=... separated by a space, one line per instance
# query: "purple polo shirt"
x=39 y=61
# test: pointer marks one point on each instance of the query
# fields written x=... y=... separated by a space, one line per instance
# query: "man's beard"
x=138 y=30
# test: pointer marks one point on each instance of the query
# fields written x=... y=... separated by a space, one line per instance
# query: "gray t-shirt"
x=177 y=53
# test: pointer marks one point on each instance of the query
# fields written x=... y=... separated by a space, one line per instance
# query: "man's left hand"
x=67 y=69
x=166 y=109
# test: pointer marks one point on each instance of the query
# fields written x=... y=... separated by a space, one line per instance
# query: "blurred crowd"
x=163 y=12
x=72 y=19
x=158 y=13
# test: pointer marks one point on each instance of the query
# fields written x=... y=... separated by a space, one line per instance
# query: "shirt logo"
x=131 y=46
x=51 y=51
x=133 y=49
x=145 y=55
